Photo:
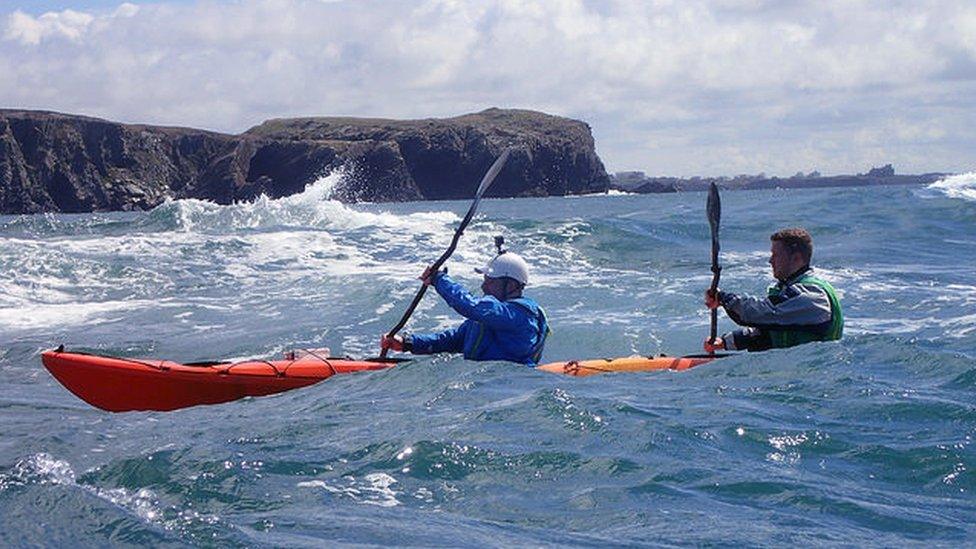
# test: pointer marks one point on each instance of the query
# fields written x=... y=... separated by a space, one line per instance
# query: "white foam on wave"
x=960 y=327
x=267 y=246
x=753 y=265
x=553 y=263
x=73 y=281
x=314 y=207
x=310 y=233
x=44 y=469
x=957 y=186
x=35 y=316
x=373 y=489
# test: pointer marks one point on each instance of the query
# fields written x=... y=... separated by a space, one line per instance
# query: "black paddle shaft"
x=714 y=210
x=485 y=183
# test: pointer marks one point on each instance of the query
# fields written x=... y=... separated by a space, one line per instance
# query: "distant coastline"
x=53 y=162
x=638 y=182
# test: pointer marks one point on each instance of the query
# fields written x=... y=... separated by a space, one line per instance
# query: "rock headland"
x=53 y=162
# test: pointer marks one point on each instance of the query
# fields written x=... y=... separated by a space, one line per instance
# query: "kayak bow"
x=124 y=384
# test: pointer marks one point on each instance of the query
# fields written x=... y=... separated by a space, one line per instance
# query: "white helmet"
x=507 y=264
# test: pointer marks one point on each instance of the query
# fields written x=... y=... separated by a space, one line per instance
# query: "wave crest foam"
x=957 y=186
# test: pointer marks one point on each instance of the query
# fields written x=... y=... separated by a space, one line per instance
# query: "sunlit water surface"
x=863 y=442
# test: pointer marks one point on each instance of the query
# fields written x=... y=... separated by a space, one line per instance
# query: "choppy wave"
x=957 y=186
x=863 y=442
x=43 y=470
x=313 y=208
x=54 y=275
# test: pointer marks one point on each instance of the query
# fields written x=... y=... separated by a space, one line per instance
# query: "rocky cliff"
x=52 y=162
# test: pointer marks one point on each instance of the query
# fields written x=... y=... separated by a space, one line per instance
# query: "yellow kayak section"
x=626 y=364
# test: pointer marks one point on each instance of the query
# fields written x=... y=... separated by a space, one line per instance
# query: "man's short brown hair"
x=796 y=239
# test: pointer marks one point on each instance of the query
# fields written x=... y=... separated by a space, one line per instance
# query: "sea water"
x=867 y=441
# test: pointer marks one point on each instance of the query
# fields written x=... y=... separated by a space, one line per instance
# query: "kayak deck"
x=120 y=384
x=626 y=364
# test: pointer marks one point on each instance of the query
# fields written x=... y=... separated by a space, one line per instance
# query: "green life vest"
x=789 y=338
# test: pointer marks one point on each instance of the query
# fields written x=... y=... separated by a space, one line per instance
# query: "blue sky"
x=690 y=87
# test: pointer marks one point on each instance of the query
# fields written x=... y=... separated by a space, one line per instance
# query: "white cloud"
x=126 y=10
x=669 y=87
x=30 y=30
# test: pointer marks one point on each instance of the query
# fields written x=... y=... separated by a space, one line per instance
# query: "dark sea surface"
x=865 y=442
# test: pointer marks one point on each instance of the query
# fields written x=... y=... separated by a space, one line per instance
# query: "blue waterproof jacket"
x=513 y=330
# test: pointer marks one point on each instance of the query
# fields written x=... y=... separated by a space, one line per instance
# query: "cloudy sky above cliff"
x=685 y=87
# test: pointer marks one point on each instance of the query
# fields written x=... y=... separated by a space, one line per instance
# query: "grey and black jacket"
x=802 y=309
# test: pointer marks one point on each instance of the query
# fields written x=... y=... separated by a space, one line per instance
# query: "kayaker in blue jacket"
x=502 y=325
x=799 y=308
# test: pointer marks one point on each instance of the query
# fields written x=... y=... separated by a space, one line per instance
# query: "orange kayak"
x=626 y=364
x=125 y=384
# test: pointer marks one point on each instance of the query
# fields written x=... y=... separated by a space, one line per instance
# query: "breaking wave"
x=957 y=186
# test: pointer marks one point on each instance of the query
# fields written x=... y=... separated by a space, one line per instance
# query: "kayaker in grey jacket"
x=799 y=308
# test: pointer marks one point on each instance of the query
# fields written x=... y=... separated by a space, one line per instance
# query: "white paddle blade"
x=489 y=177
